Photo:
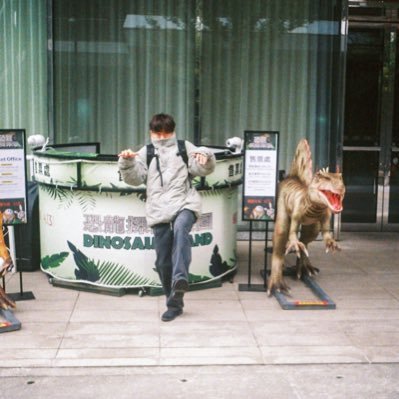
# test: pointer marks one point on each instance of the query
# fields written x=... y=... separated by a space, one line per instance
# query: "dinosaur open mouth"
x=334 y=200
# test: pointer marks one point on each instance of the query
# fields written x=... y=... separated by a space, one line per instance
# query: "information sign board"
x=13 y=204
x=260 y=175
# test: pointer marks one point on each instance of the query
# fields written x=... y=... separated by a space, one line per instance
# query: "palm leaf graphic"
x=118 y=275
x=49 y=262
x=64 y=196
x=87 y=269
x=86 y=200
x=107 y=273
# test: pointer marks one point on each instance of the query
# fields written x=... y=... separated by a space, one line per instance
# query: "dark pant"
x=173 y=250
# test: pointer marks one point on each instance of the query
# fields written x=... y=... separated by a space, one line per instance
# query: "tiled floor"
x=220 y=326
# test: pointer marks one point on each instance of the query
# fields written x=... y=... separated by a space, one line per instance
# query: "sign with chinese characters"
x=260 y=175
x=12 y=176
x=103 y=238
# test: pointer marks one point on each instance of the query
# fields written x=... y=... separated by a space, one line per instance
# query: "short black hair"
x=162 y=123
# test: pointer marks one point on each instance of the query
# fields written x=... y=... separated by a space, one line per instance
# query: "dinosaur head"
x=328 y=189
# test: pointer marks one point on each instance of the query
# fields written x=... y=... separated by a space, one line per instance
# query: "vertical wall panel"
x=23 y=65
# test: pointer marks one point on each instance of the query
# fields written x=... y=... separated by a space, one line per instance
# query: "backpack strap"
x=182 y=151
x=150 y=153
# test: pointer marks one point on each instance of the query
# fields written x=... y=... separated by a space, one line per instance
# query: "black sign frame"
x=260 y=177
x=13 y=173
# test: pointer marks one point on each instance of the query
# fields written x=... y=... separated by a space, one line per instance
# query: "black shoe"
x=171 y=314
x=179 y=288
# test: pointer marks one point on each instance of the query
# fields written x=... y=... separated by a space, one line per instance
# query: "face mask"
x=163 y=141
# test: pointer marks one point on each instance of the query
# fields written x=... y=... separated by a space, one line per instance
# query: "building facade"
x=97 y=70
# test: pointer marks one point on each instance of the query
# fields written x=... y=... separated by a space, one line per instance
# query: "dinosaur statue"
x=6 y=264
x=305 y=203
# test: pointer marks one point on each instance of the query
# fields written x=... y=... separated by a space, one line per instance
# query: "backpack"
x=182 y=152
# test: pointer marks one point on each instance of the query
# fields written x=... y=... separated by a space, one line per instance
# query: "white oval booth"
x=93 y=229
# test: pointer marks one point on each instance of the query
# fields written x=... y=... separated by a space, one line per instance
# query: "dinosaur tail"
x=301 y=166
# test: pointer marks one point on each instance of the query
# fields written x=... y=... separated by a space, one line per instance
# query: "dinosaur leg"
x=303 y=264
x=276 y=280
x=5 y=266
x=5 y=301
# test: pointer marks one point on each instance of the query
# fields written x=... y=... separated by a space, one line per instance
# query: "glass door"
x=371 y=138
x=392 y=216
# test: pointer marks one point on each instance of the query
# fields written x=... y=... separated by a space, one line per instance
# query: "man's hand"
x=200 y=158
x=126 y=154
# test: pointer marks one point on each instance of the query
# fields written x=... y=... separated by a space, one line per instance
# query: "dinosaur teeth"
x=333 y=199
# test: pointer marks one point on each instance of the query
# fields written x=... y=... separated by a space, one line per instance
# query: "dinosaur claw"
x=287 y=251
x=277 y=286
x=298 y=273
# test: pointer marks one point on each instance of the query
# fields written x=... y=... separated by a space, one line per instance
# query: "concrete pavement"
x=228 y=343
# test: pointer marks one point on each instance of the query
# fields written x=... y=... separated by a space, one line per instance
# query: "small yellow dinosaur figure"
x=6 y=265
x=305 y=202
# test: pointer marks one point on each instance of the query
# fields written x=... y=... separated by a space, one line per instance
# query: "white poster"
x=12 y=176
x=260 y=175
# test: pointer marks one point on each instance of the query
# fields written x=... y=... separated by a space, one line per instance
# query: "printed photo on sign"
x=261 y=141
x=256 y=208
x=13 y=211
x=11 y=139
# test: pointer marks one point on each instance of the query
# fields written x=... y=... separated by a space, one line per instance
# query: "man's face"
x=161 y=135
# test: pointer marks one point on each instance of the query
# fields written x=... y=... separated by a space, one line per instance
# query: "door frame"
x=382 y=184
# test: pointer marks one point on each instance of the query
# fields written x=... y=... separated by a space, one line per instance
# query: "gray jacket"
x=168 y=189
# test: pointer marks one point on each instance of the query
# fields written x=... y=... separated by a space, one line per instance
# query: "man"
x=172 y=205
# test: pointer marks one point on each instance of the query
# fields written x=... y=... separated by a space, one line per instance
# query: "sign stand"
x=249 y=286
x=259 y=190
x=21 y=295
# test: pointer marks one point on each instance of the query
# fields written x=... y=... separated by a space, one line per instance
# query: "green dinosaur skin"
x=305 y=203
